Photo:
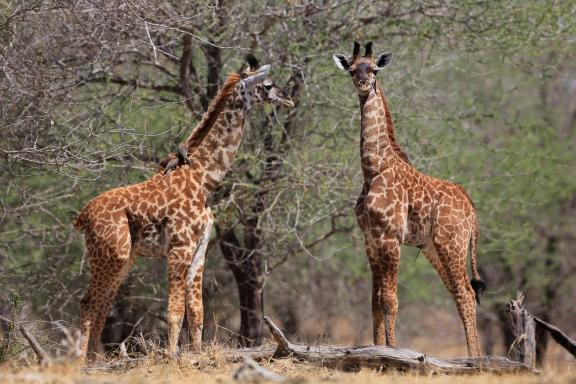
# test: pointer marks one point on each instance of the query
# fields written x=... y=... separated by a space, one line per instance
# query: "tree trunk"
x=246 y=261
x=246 y=266
x=252 y=303
x=550 y=292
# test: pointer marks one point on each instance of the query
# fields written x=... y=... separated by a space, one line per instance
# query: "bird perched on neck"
x=180 y=160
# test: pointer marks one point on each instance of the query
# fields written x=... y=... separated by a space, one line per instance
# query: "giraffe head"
x=363 y=69
x=258 y=88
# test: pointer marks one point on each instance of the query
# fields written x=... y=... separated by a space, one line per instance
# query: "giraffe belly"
x=418 y=233
x=152 y=241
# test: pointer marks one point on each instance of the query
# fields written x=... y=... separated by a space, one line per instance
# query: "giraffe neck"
x=377 y=150
x=216 y=152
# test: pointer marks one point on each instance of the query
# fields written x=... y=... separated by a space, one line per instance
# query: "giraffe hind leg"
x=453 y=260
x=116 y=278
x=109 y=262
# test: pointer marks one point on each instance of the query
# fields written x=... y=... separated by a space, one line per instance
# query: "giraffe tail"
x=81 y=220
x=478 y=285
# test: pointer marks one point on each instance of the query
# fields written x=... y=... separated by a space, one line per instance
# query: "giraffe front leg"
x=378 y=322
x=194 y=304
x=178 y=263
x=389 y=262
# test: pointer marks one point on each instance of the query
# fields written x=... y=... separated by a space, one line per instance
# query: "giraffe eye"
x=268 y=86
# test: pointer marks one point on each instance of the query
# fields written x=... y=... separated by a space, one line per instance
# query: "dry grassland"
x=211 y=367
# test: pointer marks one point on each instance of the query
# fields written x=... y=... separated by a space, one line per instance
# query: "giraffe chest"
x=388 y=211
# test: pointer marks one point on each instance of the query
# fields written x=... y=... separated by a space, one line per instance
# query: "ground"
x=211 y=367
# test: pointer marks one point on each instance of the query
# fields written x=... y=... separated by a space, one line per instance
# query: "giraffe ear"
x=341 y=61
x=383 y=60
x=258 y=77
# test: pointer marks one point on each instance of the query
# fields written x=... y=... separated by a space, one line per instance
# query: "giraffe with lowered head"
x=399 y=205
x=167 y=215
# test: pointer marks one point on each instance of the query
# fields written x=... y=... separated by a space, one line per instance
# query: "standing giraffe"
x=399 y=205
x=167 y=216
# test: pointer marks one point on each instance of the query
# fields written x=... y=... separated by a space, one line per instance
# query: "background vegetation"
x=93 y=93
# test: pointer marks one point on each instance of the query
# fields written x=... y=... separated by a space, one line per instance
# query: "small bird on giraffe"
x=180 y=159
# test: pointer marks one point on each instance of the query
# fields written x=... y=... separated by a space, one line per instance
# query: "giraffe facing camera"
x=400 y=205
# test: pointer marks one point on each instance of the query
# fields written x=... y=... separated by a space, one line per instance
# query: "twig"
x=42 y=355
x=151 y=42
x=283 y=343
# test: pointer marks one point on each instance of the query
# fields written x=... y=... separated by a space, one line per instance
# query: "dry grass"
x=211 y=367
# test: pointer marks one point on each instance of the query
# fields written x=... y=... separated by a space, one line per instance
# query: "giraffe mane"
x=390 y=132
x=216 y=106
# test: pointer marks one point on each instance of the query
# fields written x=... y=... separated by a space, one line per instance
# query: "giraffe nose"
x=363 y=83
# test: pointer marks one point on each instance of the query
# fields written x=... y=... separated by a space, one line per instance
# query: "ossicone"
x=356 y=50
x=368 y=49
x=252 y=61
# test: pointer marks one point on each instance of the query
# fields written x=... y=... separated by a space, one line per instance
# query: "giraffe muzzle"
x=288 y=103
x=364 y=85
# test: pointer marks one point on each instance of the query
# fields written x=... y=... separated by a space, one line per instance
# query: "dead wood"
x=119 y=365
x=522 y=324
x=560 y=337
x=255 y=353
x=389 y=359
x=42 y=355
x=251 y=371
x=38 y=350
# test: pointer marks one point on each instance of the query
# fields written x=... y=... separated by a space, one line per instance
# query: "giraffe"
x=167 y=215
x=400 y=205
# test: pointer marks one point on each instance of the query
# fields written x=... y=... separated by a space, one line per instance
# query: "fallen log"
x=389 y=359
x=256 y=353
